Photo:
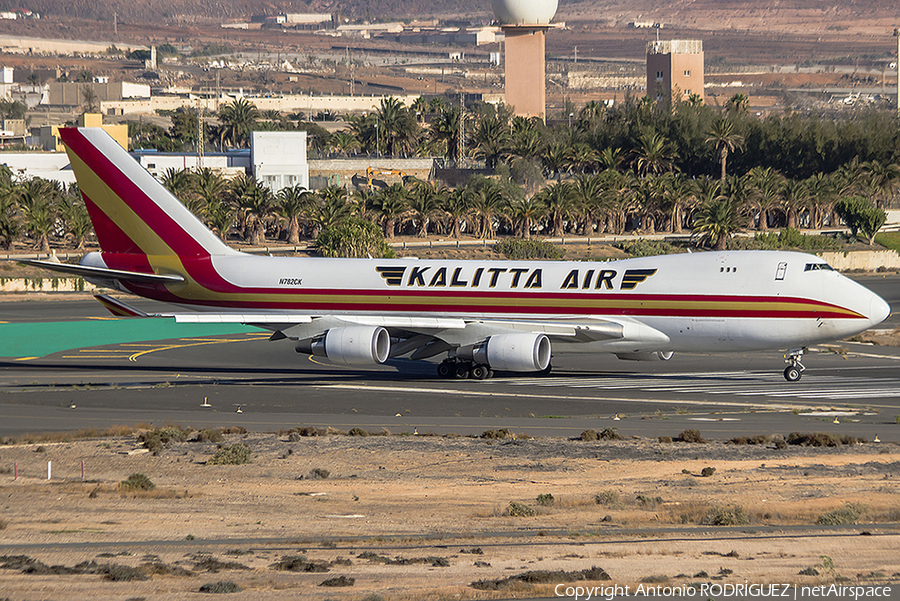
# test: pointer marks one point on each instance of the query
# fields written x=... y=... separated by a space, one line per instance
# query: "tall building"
x=675 y=70
x=524 y=24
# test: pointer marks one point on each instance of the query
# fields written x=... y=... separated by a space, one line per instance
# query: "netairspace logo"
x=724 y=591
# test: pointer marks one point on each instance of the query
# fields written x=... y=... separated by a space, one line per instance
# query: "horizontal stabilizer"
x=104 y=272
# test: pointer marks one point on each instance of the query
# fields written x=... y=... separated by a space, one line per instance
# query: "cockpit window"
x=818 y=267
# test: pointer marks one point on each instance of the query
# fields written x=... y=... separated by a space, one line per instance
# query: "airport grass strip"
x=41 y=339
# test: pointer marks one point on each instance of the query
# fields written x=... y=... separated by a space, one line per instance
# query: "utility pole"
x=897 y=35
x=461 y=142
x=200 y=141
x=350 y=66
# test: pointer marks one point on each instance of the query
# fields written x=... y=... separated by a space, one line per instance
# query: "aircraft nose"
x=878 y=310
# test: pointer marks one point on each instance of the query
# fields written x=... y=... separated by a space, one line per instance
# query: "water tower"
x=525 y=23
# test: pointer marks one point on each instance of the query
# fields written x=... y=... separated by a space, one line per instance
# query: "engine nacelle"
x=657 y=356
x=511 y=352
x=353 y=345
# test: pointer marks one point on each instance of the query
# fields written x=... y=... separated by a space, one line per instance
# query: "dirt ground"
x=412 y=516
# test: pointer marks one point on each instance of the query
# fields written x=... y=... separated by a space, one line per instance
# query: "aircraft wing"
x=419 y=337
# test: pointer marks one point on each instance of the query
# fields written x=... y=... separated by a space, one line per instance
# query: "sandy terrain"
x=432 y=514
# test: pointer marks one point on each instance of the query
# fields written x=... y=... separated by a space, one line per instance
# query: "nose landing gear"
x=795 y=368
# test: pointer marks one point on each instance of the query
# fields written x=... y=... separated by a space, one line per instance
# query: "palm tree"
x=9 y=220
x=589 y=197
x=581 y=157
x=524 y=212
x=490 y=139
x=446 y=128
x=486 y=198
x=794 y=195
x=821 y=197
x=343 y=142
x=420 y=108
x=456 y=208
x=654 y=154
x=725 y=139
x=717 y=220
x=37 y=201
x=396 y=128
x=881 y=180
x=425 y=199
x=560 y=206
x=238 y=119
x=220 y=217
x=765 y=192
x=181 y=183
x=389 y=204
x=75 y=216
x=611 y=158
x=292 y=205
x=259 y=205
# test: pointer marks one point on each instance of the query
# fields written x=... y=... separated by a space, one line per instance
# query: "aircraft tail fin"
x=133 y=214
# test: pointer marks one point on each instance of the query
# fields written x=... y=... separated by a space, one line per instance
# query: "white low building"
x=279 y=159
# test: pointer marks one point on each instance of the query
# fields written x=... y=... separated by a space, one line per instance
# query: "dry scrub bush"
x=222 y=586
x=607 y=498
x=605 y=434
x=519 y=510
x=236 y=454
x=732 y=515
x=845 y=516
x=136 y=482
x=157 y=440
x=210 y=435
x=545 y=500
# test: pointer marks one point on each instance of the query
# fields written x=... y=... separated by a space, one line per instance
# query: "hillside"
x=790 y=15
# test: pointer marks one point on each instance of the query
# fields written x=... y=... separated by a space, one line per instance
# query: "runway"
x=160 y=382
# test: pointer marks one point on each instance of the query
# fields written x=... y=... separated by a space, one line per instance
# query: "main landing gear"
x=794 y=369
x=460 y=369
x=454 y=369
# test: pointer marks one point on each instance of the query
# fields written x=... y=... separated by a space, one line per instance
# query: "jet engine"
x=643 y=356
x=353 y=345
x=511 y=352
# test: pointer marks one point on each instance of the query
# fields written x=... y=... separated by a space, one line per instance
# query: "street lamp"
x=570 y=119
x=377 y=139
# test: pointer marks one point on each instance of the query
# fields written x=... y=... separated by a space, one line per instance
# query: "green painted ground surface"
x=44 y=338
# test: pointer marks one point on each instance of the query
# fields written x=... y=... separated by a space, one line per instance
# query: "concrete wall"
x=71 y=94
x=862 y=260
x=309 y=104
x=60 y=284
x=23 y=45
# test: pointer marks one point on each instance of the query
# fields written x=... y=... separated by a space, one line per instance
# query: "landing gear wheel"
x=792 y=374
x=546 y=371
x=461 y=371
x=795 y=368
x=479 y=372
x=445 y=370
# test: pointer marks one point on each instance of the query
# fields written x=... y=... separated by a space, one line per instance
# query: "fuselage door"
x=780 y=271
